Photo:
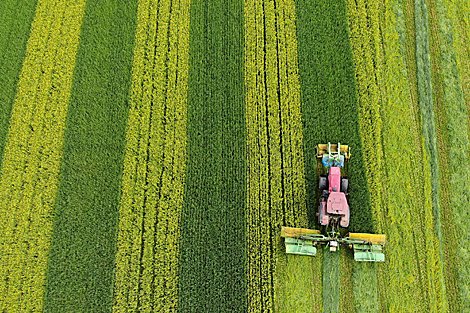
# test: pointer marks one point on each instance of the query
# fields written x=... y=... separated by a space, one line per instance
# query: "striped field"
x=152 y=150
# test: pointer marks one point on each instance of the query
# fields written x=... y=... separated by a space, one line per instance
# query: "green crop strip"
x=330 y=107
x=15 y=24
x=33 y=152
x=275 y=177
x=329 y=100
x=455 y=151
x=154 y=164
x=82 y=257
x=212 y=275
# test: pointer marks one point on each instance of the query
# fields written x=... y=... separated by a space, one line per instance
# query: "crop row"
x=33 y=151
x=15 y=24
x=275 y=164
x=404 y=214
x=146 y=276
x=448 y=226
x=212 y=258
x=364 y=35
x=447 y=58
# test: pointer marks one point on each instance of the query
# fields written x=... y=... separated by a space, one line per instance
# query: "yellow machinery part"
x=297 y=232
x=372 y=238
x=323 y=148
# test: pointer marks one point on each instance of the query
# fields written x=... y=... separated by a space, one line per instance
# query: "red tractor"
x=333 y=212
x=333 y=209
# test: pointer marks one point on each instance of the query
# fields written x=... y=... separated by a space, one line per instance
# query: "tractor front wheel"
x=344 y=185
x=323 y=184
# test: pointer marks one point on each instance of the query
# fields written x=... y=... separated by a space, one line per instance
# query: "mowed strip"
x=33 y=152
x=412 y=268
x=212 y=237
x=146 y=276
x=15 y=25
x=275 y=163
x=448 y=56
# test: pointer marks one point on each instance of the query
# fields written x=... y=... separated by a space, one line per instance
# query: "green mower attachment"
x=300 y=246
x=368 y=253
x=367 y=247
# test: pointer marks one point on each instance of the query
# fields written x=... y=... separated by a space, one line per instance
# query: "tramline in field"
x=333 y=213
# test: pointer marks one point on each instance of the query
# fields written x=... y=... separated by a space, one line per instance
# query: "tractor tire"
x=323 y=184
x=320 y=214
x=344 y=185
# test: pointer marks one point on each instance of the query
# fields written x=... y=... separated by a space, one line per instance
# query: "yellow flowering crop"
x=275 y=164
x=155 y=161
x=33 y=152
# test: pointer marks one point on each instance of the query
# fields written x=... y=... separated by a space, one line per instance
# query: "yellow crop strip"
x=411 y=278
x=275 y=168
x=33 y=151
x=155 y=161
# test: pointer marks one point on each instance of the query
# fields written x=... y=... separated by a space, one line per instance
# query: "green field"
x=152 y=150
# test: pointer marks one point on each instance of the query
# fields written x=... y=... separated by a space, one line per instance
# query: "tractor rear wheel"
x=323 y=184
x=344 y=185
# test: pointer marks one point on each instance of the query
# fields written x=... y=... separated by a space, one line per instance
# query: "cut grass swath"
x=442 y=147
x=331 y=278
x=33 y=152
x=275 y=177
x=212 y=264
x=451 y=102
x=146 y=276
x=346 y=301
x=364 y=277
x=82 y=257
x=15 y=24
